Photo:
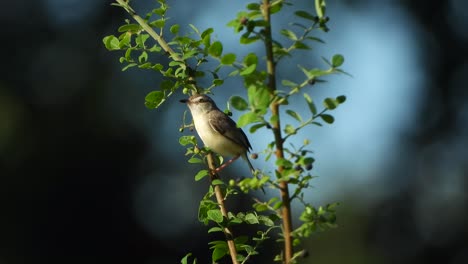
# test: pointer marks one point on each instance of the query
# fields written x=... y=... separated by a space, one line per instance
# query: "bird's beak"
x=184 y=101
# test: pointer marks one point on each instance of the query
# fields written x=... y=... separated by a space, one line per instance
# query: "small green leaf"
x=158 y=23
x=125 y=41
x=141 y=39
x=154 y=99
x=216 y=49
x=215 y=229
x=289 y=129
x=330 y=103
x=337 y=60
x=195 y=160
x=228 y=59
x=129 y=66
x=217 y=254
x=248 y=70
x=185 y=259
x=250 y=59
x=206 y=33
x=201 y=174
x=174 y=29
x=320 y=8
x=294 y=114
x=289 y=34
x=111 y=42
x=341 y=99
x=255 y=127
x=305 y=15
x=215 y=215
x=217 y=182
x=238 y=103
x=246 y=119
x=301 y=45
x=327 y=118
x=143 y=57
x=251 y=218
x=288 y=83
x=247 y=40
x=253 y=6
x=129 y=27
x=186 y=140
x=311 y=104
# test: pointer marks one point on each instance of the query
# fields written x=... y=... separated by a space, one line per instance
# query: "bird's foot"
x=224 y=165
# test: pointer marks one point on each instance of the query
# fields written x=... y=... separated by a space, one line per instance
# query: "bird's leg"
x=224 y=165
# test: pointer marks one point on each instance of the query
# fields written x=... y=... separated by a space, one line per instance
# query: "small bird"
x=217 y=130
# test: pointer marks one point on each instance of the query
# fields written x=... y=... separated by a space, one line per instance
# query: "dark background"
x=88 y=175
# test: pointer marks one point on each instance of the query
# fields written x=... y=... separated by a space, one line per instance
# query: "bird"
x=217 y=130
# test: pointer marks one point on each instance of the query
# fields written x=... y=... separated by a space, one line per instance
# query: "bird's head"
x=200 y=103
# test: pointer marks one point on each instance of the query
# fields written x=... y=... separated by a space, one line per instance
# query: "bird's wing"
x=223 y=124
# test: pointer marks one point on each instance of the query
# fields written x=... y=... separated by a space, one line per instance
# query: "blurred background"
x=89 y=175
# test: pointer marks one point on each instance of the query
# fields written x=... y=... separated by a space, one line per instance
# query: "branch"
x=276 y=128
x=222 y=207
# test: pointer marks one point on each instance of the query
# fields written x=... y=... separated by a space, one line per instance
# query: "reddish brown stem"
x=220 y=199
x=276 y=128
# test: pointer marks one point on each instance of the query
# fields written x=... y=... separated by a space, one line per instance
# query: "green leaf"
x=174 y=29
x=251 y=218
x=185 y=259
x=311 y=104
x=217 y=182
x=129 y=27
x=206 y=33
x=158 y=23
x=253 y=6
x=330 y=103
x=143 y=57
x=301 y=45
x=294 y=114
x=238 y=103
x=129 y=66
x=337 y=60
x=305 y=15
x=250 y=59
x=141 y=39
x=216 y=49
x=111 y=42
x=195 y=160
x=201 y=174
x=215 y=229
x=125 y=41
x=246 y=119
x=341 y=99
x=228 y=59
x=154 y=99
x=288 y=83
x=218 y=253
x=320 y=8
x=255 y=127
x=186 y=140
x=245 y=39
x=195 y=29
x=260 y=207
x=284 y=163
x=327 y=118
x=289 y=129
x=248 y=70
x=215 y=215
x=289 y=34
